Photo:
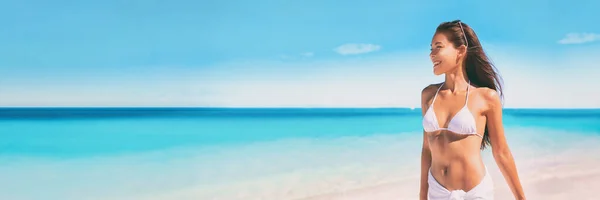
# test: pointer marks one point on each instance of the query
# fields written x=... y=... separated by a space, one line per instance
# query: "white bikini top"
x=463 y=121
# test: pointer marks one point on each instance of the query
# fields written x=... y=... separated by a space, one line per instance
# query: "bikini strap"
x=468 y=86
x=436 y=93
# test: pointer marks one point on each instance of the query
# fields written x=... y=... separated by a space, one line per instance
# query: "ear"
x=462 y=50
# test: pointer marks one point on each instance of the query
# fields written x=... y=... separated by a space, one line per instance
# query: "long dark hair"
x=480 y=70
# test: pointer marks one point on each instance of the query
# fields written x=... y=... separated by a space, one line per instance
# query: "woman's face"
x=443 y=55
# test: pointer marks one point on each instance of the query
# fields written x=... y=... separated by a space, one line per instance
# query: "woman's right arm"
x=425 y=152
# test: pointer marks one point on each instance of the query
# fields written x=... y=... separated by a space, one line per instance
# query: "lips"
x=436 y=63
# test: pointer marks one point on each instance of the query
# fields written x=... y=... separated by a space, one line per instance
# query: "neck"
x=456 y=80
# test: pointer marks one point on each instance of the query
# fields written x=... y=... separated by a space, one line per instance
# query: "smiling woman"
x=451 y=163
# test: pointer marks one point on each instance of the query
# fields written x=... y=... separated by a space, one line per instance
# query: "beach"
x=566 y=176
x=280 y=155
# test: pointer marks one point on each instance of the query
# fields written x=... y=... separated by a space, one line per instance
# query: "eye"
x=437 y=47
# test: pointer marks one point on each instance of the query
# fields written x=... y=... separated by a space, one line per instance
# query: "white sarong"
x=483 y=191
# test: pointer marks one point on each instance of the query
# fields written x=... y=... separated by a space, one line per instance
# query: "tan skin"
x=455 y=160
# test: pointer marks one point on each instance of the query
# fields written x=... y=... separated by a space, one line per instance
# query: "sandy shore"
x=568 y=175
x=572 y=175
x=549 y=169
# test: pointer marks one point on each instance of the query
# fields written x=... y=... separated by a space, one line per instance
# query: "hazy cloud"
x=579 y=38
x=349 y=49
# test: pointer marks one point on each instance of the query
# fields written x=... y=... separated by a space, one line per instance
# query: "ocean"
x=239 y=153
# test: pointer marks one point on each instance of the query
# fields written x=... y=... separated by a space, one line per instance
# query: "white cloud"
x=388 y=80
x=530 y=78
x=349 y=49
x=579 y=38
x=395 y=80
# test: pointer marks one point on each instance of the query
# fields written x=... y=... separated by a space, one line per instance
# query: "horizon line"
x=235 y=107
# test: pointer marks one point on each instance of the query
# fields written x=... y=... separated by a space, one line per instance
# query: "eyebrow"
x=436 y=43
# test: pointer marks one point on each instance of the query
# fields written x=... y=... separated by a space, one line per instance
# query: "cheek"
x=448 y=56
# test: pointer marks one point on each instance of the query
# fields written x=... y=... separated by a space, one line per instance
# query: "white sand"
x=570 y=175
x=550 y=178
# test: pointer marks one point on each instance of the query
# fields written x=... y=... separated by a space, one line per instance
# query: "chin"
x=441 y=70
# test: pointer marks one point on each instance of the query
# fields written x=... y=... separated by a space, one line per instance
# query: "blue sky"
x=284 y=54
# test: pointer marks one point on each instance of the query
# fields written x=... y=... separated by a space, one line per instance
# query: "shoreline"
x=569 y=175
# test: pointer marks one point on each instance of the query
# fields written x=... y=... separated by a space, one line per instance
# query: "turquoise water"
x=80 y=132
x=87 y=132
x=128 y=152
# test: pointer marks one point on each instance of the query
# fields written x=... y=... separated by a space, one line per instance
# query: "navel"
x=445 y=171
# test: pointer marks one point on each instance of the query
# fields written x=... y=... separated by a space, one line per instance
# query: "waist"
x=458 y=173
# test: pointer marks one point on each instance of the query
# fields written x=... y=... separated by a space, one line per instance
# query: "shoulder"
x=429 y=91
x=490 y=97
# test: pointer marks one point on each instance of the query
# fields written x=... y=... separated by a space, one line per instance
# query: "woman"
x=462 y=116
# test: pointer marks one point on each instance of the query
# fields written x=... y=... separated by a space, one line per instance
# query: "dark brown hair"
x=480 y=70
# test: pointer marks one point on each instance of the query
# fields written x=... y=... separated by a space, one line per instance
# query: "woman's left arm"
x=500 y=149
